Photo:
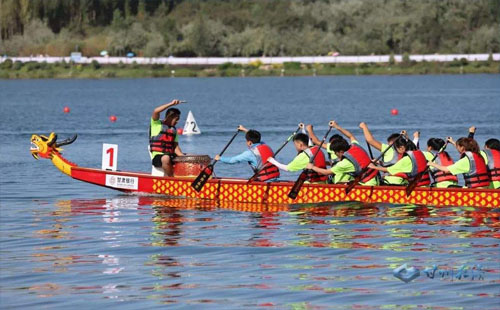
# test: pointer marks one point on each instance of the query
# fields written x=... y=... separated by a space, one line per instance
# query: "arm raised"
x=369 y=137
x=163 y=107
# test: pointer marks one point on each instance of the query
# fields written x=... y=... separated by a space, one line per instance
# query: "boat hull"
x=238 y=190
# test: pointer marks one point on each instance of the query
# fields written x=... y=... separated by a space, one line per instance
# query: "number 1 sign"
x=109 y=156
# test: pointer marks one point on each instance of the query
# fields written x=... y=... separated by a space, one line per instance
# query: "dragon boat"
x=237 y=190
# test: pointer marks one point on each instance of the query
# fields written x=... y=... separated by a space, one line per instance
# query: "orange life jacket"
x=267 y=170
x=493 y=164
x=419 y=164
x=360 y=160
x=440 y=176
x=478 y=175
x=319 y=161
x=164 y=141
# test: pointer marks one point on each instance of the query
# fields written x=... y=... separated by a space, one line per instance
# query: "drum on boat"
x=190 y=165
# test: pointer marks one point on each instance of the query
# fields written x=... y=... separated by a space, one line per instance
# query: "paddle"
x=276 y=153
x=411 y=186
x=369 y=149
x=205 y=174
x=303 y=176
x=360 y=176
x=371 y=157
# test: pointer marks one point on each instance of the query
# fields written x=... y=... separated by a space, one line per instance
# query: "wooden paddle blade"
x=202 y=178
x=353 y=183
x=410 y=188
x=298 y=185
x=413 y=183
x=349 y=187
x=254 y=176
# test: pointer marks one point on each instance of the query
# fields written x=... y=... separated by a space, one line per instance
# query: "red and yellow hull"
x=276 y=193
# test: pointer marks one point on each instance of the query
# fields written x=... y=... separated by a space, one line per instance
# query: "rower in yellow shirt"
x=412 y=163
x=441 y=179
x=305 y=153
x=471 y=164
x=353 y=159
x=331 y=154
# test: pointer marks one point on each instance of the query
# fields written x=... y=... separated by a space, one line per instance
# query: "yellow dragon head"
x=43 y=146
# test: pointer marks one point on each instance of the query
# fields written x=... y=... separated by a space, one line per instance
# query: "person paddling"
x=412 y=163
x=163 y=139
x=471 y=164
x=391 y=156
x=441 y=179
x=491 y=156
x=331 y=154
x=353 y=159
x=257 y=154
x=492 y=152
x=300 y=161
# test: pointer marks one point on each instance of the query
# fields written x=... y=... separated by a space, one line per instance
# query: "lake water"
x=65 y=243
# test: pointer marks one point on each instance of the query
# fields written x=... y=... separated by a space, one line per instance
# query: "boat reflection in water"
x=187 y=250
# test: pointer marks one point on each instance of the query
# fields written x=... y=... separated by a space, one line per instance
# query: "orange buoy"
x=394 y=112
x=180 y=131
x=112 y=118
x=66 y=110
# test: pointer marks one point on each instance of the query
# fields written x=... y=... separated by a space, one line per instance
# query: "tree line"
x=191 y=28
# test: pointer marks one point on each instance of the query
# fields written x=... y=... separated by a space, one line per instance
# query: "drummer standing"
x=163 y=139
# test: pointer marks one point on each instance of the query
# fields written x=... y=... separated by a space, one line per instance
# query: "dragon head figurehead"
x=43 y=146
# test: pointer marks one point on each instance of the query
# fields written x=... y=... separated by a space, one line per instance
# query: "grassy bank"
x=33 y=70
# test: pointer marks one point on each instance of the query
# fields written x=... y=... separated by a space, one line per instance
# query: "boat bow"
x=48 y=147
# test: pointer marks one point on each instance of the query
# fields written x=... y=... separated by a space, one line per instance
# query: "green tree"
x=141 y=10
x=259 y=27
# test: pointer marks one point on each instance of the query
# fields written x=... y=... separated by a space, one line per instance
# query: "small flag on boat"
x=190 y=127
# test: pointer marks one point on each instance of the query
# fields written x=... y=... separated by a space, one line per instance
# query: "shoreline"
x=95 y=70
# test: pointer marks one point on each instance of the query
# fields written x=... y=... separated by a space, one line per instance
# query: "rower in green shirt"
x=403 y=167
x=472 y=164
x=331 y=154
x=305 y=153
x=441 y=179
x=353 y=158
x=392 y=155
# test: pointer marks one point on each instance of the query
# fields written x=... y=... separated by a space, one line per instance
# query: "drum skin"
x=190 y=165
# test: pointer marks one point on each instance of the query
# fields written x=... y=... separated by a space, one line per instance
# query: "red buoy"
x=112 y=118
x=66 y=110
x=180 y=131
x=394 y=112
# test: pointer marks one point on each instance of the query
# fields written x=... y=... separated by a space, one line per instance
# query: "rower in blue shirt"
x=256 y=155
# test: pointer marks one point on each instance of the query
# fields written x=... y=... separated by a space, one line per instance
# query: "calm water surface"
x=65 y=243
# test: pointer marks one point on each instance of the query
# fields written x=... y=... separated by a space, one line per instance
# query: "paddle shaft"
x=276 y=153
x=371 y=158
x=413 y=183
x=311 y=160
x=361 y=174
x=225 y=148
x=289 y=138
x=369 y=149
x=205 y=174
x=302 y=177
